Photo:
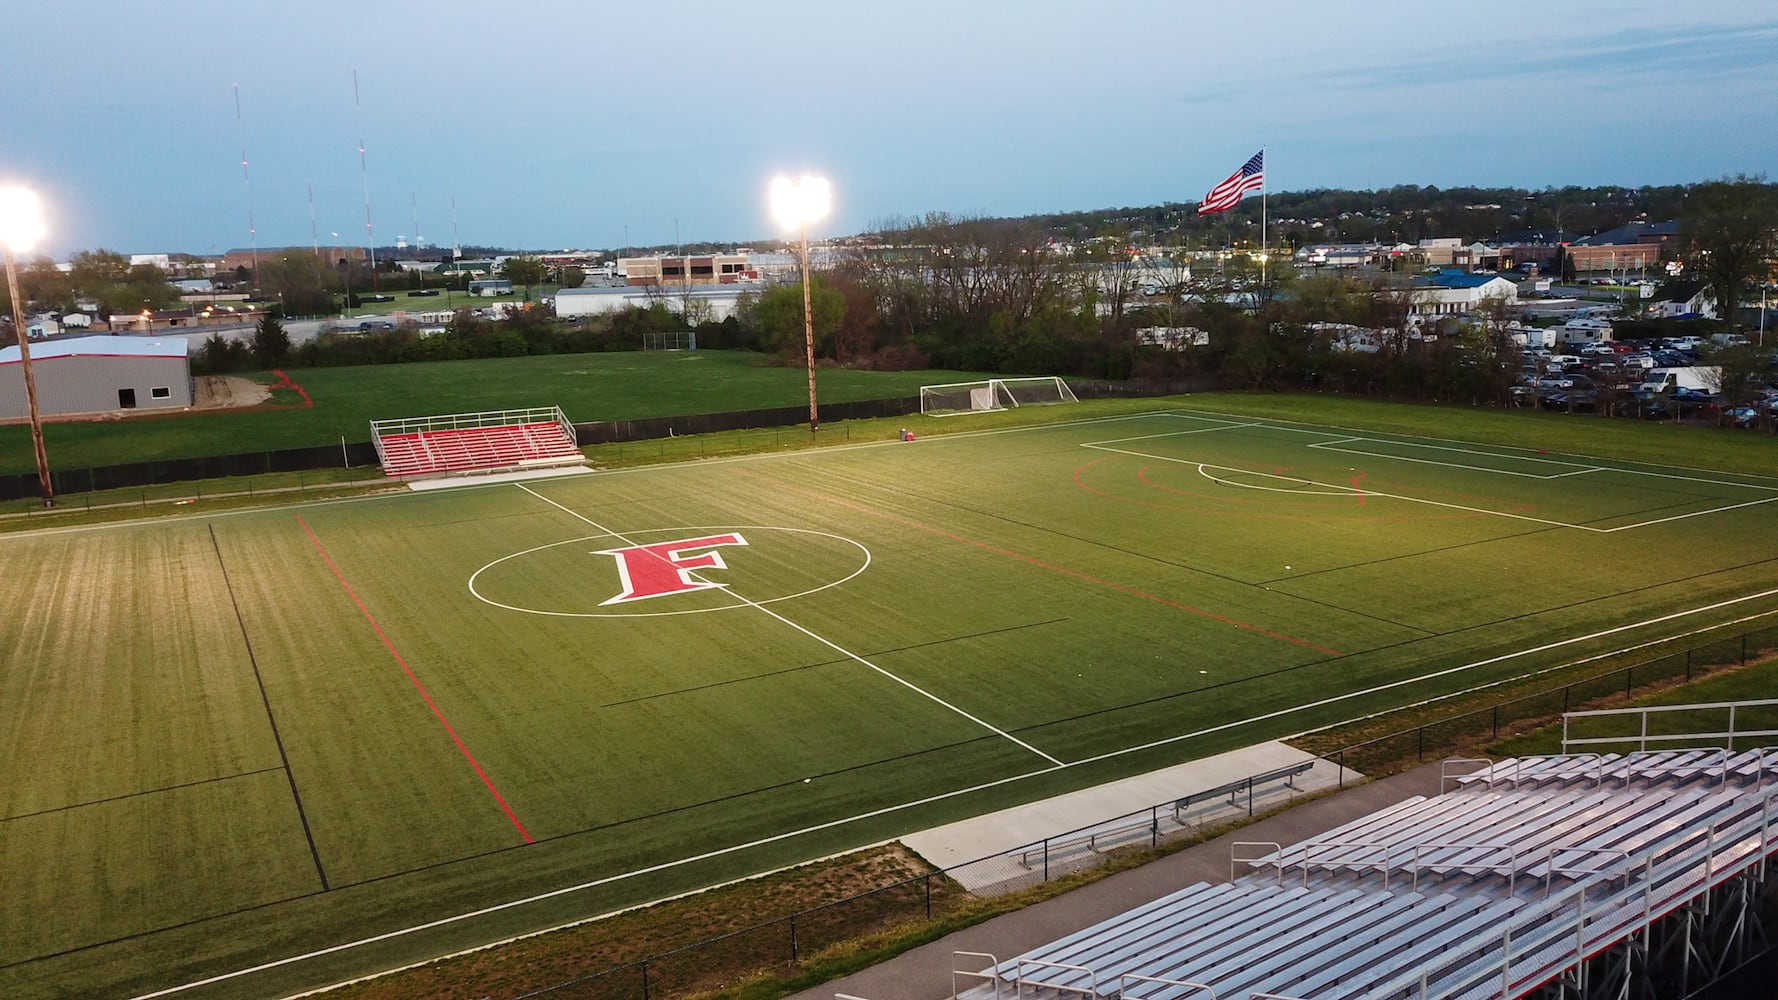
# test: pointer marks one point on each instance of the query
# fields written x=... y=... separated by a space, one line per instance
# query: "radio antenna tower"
x=370 y=241
x=419 y=244
x=247 y=186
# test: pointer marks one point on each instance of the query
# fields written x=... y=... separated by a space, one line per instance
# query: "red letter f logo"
x=658 y=570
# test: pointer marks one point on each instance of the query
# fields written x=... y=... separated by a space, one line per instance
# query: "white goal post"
x=992 y=394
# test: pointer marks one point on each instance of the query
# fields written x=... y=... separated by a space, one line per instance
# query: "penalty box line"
x=836 y=647
x=1345 y=489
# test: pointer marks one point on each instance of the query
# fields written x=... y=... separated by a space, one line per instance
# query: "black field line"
x=150 y=932
x=1399 y=556
x=494 y=852
x=825 y=663
x=829 y=643
x=133 y=795
x=1642 y=511
x=735 y=796
x=1560 y=607
x=1105 y=546
x=266 y=699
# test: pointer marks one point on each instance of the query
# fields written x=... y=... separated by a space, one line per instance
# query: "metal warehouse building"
x=98 y=375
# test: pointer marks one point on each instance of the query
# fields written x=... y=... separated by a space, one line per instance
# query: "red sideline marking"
x=285 y=383
x=417 y=685
x=1358 y=489
x=1074 y=573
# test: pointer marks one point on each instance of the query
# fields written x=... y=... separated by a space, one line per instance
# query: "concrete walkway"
x=955 y=844
x=925 y=972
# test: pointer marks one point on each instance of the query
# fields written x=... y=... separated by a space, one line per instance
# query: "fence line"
x=1552 y=703
x=785 y=940
x=24 y=486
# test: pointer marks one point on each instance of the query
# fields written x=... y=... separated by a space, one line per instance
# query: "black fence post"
x=1342 y=768
x=1566 y=688
x=1046 y=859
x=645 y=979
x=1496 y=721
x=1421 y=733
x=928 y=897
x=793 y=937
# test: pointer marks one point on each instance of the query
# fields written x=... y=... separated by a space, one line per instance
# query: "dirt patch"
x=211 y=392
x=698 y=924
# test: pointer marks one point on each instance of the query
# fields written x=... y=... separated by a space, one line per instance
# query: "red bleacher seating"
x=466 y=449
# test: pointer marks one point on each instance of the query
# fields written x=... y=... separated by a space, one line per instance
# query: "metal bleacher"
x=1570 y=875
x=472 y=442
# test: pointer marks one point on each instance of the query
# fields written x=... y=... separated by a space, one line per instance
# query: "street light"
x=795 y=204
x=21 y=226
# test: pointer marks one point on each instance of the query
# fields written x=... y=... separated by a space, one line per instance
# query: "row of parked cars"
x=1636 y=379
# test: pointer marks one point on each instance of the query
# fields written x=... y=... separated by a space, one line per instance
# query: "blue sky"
x=560 y=125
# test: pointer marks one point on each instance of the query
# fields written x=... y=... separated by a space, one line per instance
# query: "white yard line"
x=830 y=644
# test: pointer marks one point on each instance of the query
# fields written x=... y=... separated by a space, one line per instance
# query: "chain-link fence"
x=1492 y=722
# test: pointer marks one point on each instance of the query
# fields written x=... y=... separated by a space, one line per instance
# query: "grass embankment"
x=588 y=387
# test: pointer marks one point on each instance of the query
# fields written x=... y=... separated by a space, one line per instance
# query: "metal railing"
x=1441 y=735
x=1642 y=737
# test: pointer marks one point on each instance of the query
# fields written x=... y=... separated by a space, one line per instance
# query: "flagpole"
x=1262 y=219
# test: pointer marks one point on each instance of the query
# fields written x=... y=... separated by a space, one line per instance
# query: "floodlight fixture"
x=21 y=226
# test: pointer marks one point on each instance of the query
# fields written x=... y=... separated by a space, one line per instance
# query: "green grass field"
x=588 y=387
x=256 y=741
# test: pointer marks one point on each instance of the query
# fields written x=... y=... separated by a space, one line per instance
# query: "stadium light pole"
x=21 y=226
x=795 y=204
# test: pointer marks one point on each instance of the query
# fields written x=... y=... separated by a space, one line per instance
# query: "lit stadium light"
x=795 y=204
x=21 y=219
x=21 y=226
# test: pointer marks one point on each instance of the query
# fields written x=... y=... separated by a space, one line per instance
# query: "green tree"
x=1730 y=234
x=271 y=344
x=573 y=277
x=780 y=313
x=44 y=283
x=295 y=280
x=526 y=271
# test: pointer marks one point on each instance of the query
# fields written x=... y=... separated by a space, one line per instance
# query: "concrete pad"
x=999 y=832
x=516 y=475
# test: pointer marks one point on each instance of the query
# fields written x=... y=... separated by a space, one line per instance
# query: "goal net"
x=680 y=340
x=993 y=394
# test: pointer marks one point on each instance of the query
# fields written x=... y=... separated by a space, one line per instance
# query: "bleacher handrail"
x=1091 y=990
x=992 y=975
x=1123 y=990
x=1444 y=770
x=1308 y=860
x=1277 y=862
x=1511 y=866
x=465 y=421
x=1643 y=737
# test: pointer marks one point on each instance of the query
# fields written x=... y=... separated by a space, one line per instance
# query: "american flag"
x=1224 y=196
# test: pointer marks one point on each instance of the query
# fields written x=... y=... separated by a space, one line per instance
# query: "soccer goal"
x=670 y=340
x=992 y=394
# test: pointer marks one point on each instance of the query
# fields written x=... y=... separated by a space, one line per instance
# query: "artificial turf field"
x=441 y=718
